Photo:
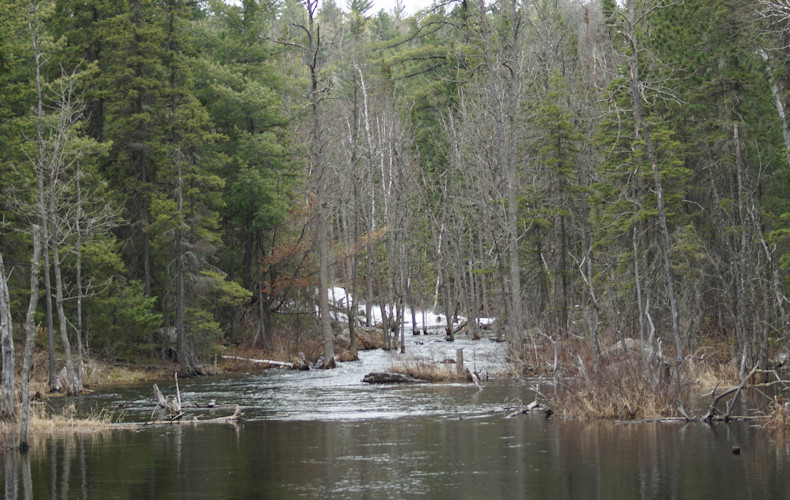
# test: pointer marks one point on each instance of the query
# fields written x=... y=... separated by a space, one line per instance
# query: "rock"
x=388 y=378
x=367 y=338
x=370 y=338
x=616 y=349
x=347 y=355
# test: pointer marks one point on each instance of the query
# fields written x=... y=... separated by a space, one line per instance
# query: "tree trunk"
x=780 y=108
x=78 y=264
x=30 y=334
x=323 y=279
x=472 y=296
x=73 y=383
x=742 y=329
x=186 y=355
x=639 y=121
x=264 y=319
x=7 y=342
x=318 y=166
x=32 y=22
x=352 y=312
x=637 y=276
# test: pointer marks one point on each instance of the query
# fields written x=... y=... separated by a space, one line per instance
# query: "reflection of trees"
x=491 y=457
x=10 y=475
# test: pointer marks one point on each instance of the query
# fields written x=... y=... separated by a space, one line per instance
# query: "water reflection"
x=325 y=434
x=487 y=457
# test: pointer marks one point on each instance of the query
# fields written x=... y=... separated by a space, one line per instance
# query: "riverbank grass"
x=619 y=391
x=430 y=371
x=630 y=388
x=44 y=421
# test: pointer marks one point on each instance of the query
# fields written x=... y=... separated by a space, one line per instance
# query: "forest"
x=182 y=175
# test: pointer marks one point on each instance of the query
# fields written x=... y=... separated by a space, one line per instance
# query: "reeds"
x=429 y=371
x=624 y=387
x=619 y=391
x=779 y=418
x=44 y=421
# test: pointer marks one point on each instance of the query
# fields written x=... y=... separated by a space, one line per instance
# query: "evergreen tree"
x=242 y=90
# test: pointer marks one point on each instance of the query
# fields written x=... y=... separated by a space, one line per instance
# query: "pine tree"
x=241 y=89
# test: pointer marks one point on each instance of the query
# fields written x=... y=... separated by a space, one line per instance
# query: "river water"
x=325 y=434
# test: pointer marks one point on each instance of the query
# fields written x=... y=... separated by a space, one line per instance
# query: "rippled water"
x=326 y=434
x=329 y=394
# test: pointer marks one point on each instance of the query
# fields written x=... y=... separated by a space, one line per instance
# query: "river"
x=325 y=434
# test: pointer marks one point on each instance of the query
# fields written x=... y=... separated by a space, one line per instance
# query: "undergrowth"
x=624 y=386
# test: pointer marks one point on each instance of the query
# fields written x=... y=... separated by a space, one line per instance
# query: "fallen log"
x=515 y=407
x=524 y=409
x=271 y=362
x=460 y=327
x=698 y=420
x=388 y=378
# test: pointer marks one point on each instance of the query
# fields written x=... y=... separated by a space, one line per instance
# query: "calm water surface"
x=325 y=434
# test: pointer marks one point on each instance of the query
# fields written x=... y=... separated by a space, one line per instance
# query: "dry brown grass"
x=619 y=391
x=430 y=371
x=98 y=374
x=707 y=375
x=44 y=421
x=778 y=422
x=623 y=388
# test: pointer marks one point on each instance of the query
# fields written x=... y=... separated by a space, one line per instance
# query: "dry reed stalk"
x=430 y=371
x=42 y=421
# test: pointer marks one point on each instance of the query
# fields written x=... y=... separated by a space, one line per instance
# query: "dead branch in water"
x=237 y=417
x=731 y=403
x=175 y=410
x=517 y=407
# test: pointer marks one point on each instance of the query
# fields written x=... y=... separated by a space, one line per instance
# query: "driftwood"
x=271 y=362
x=731 y=403
x=237 y=417
x=712 y=416
x=517 y=407
x=175 y=409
